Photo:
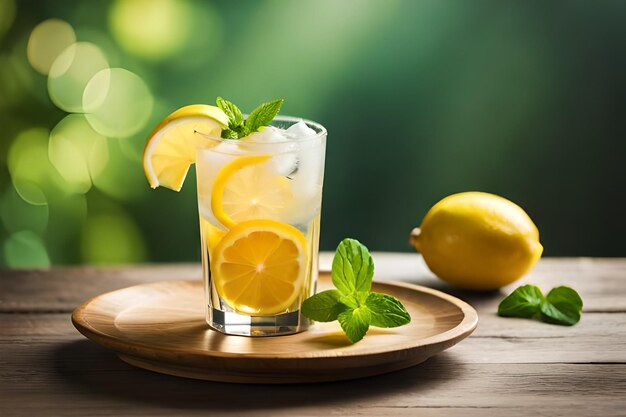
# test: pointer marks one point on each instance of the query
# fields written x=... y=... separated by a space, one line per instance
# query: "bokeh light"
x=70 y=73
x=29 y=191
x=132 y=148
x=47 y=41
x=77 y=151
x=25 y=249
x=492 y=98
x=118 y=103
x=202 y=48
x=112 y=238
x=151 y=29
x=17 y=214
x=123 y=177
x=7 y=15
x=31 y=172
x=104 y=41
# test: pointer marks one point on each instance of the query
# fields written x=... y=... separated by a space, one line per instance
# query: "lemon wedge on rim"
x=171 y=147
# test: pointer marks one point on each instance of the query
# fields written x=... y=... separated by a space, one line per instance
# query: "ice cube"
x=269 y=134
x=285 y=164
x=299 y=130
x=285 y=160
x=229 y=147
x=307 y=184
x=307 y=179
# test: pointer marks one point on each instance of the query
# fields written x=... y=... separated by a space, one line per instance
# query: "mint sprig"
x=352 y=303
x=561 y=306
x=235 y=119
x=238 y=127
x=262 y=116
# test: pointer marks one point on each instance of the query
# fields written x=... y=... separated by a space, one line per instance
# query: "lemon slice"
x=171 y=147
x=212 y=234
x=259 y=267
x=246 y=189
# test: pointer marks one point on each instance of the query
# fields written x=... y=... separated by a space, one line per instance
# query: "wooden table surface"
x=507 y=367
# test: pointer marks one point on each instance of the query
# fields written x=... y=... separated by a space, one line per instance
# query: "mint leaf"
x=349 y=301
x=324 y=306
x=565 y=295
x=262 y=116
x=386 y=310
x=524 y=302
x=355 y=323
x=353 y=267
x=235 y=118
x=563 y=306
x=352 y=303
x=229 y=134
x=361 y=296
x=238 y=127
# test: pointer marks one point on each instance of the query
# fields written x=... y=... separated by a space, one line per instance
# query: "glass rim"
x=320 y=132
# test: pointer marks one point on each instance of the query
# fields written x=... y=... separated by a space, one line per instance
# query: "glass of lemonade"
x=259 y=202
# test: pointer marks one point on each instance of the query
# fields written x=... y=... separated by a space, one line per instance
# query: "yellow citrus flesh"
x=247 y=189
x=478 y=241
x=259 y=267
x=212 y=234
x=171 y=147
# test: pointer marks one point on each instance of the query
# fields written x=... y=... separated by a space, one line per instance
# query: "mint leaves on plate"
x=352 y=303
x=238 y=127
x=562 y=305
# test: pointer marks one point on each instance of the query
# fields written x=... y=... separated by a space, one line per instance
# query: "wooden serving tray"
x=161 y=327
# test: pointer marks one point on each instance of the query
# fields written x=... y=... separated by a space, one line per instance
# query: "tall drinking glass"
x=259 y=202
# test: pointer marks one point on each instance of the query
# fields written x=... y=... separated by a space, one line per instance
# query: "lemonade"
x=259 y=200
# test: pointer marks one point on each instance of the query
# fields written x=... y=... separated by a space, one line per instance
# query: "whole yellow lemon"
x=478 y=241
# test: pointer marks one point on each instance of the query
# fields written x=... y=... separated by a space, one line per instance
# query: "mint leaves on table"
x=561 y=306
x=524 y=302
x=238 y=127
x=352 y=303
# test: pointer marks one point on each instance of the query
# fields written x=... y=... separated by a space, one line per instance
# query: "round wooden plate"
x=161 y=327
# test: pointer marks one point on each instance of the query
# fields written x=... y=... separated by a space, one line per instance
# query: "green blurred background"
x=421 y=99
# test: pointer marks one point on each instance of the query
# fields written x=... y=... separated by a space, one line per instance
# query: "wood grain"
x=161 y=327
x=599 y=281
x=78 y=378
x=601 y=336
x=62 y=289
x=507 y=367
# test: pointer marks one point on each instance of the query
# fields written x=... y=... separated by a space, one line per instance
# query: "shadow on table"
x=484 y=300
x=96 y=372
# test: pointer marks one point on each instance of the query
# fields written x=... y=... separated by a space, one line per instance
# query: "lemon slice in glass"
x=259 y=267
x=247 y=189
x=171 y=147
